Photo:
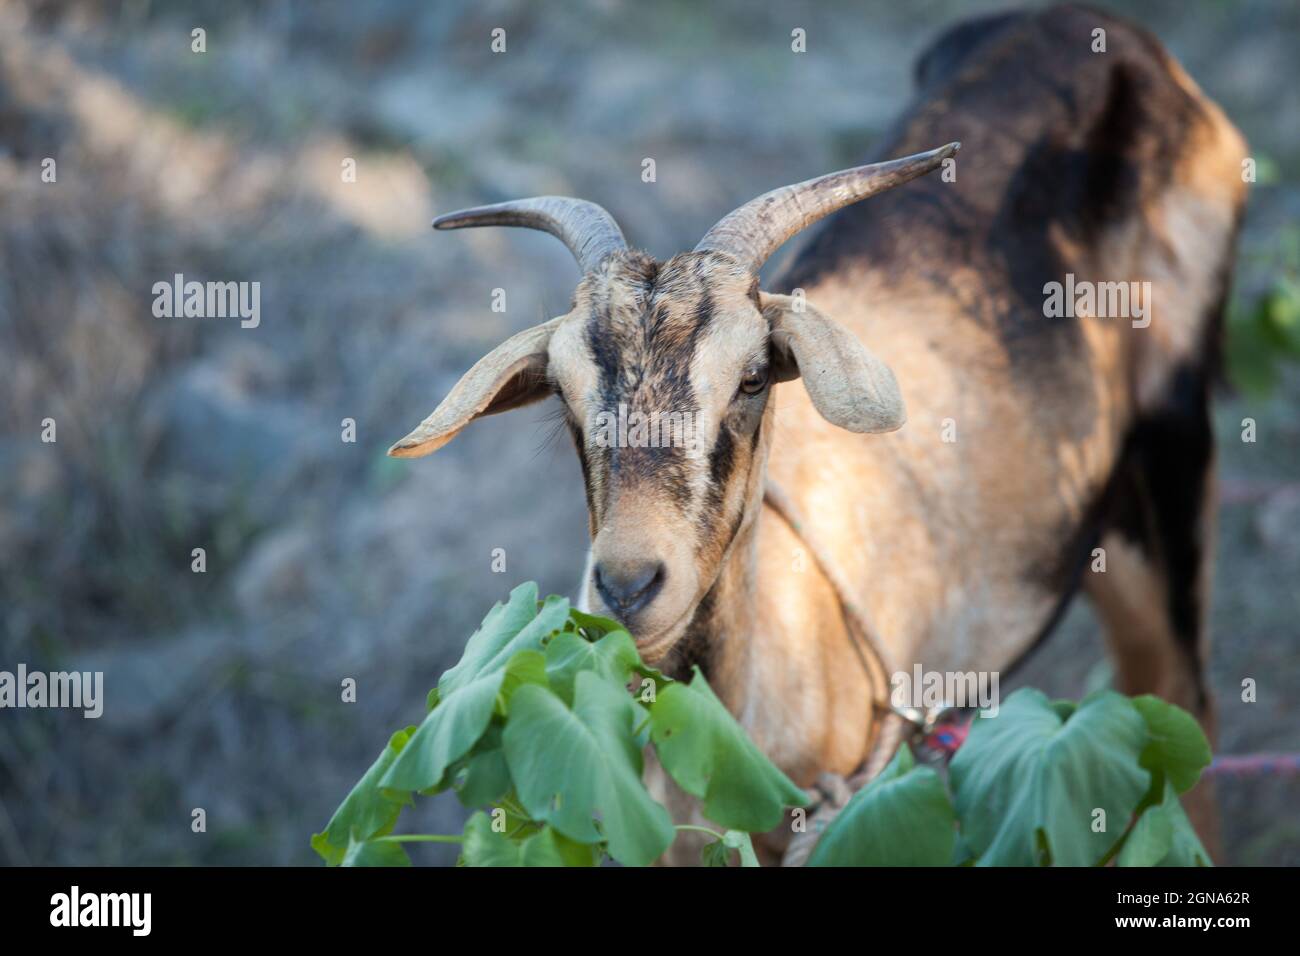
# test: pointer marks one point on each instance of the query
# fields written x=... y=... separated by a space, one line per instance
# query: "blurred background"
x=327 y=560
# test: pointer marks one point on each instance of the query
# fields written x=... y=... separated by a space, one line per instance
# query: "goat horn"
x=757 y=229
x=587 y=229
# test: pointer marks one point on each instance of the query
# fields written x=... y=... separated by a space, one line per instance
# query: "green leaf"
x=368 y=810
x=525 y=667
x=375 y=853
x=1186 y=849
x=447 y=734
x=702 y=747
x=718 y=853
x=740 y=842
x=1027 y=782
x=552 y=848
x=452 y=728
x=502 y=654
x=484 y=846
x=571 y=765
x=1176 y=744
x=962 y=855
x=1064 y=708
x=613 y=657
x=510 y=627
x=1149 y=841
x=1163 y=836
x=592 y=626
x=485 y=778
x=715 y=853
x=902 y=818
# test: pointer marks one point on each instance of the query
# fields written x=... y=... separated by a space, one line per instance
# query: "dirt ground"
x=325 y=559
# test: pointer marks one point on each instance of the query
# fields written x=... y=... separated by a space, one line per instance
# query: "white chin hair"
x=582 y=602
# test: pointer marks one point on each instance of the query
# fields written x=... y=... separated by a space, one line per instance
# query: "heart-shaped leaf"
x=455 y=725
x=613 y=657
x=710 y=756
x=446 y=735
x=1176 y=744
x=1163 y=836
x=1027 y=784
x=902 y=818
x=572 y=766
x=510 y=627
x=368 y=810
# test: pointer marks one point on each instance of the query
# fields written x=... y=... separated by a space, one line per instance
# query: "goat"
x=1031 y=439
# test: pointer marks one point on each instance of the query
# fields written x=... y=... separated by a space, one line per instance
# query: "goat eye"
x=754 y=382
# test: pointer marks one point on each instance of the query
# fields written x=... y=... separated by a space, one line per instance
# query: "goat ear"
x=848 y=385
x=510 y=376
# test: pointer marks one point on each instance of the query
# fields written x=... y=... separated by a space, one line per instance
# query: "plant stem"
x=687 y=826
x=514 y=808
x=420 y=838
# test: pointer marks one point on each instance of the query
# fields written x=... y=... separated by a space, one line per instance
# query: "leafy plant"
x=902 y=818
x=1263 y=334
x=1043 y=783
x=541 y=728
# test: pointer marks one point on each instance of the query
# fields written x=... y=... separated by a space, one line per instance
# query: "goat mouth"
x=653 y=650
x=654 y=647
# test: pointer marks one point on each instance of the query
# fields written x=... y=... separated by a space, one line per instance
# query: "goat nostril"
x=627 y=588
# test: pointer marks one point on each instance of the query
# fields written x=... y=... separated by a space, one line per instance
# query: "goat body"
x=1049 y=442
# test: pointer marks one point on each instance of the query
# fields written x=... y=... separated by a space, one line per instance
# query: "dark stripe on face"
x=605 y=350
x=722 y=463
x=643 y=362
x=576 y=432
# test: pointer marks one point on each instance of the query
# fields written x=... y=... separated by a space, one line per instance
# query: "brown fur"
x=1110 y=166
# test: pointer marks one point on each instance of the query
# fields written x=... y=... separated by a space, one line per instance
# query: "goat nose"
x=627 y=587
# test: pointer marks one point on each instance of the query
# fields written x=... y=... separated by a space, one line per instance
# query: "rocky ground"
x=327 y=560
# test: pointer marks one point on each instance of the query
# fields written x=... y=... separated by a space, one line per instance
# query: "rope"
x=1254 y=765
x=869 y=652
x=888 y=730
x=947 y=738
